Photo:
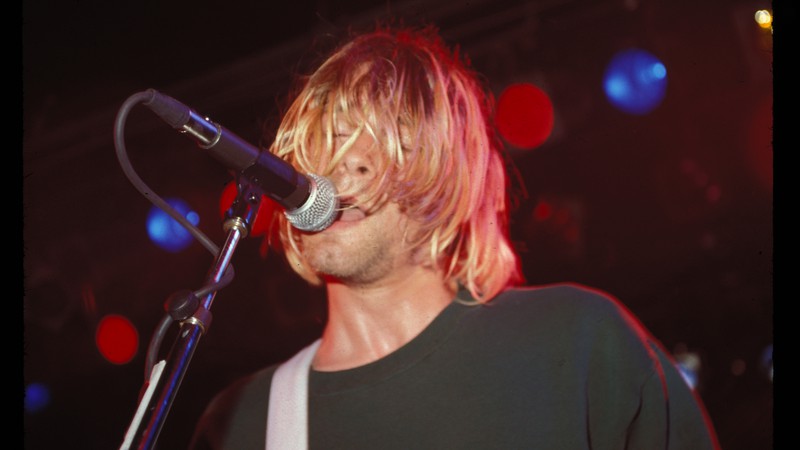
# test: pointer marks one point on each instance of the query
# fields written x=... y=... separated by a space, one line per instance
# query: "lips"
x=351 y=213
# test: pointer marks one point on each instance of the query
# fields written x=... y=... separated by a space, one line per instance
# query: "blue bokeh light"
x=689 y=365
x=689 y=375
x=635 y=81
x=37 y=397
x=167 y=232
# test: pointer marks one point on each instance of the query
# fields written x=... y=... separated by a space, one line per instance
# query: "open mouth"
x=349 y=211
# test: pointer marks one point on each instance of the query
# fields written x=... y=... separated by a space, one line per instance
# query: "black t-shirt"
x=554 y=367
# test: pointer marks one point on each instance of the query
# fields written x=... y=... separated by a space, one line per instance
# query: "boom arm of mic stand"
x=168 y=374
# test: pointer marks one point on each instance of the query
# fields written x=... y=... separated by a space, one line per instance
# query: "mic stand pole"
x=168 y=374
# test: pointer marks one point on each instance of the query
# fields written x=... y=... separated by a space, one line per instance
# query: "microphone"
x=310 y=200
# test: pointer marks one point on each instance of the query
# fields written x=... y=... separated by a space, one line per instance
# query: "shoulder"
x=562 y=292
x=237 y=412
x=566 y=301
x=594 y=327
x=244 y=387
x=572 y=315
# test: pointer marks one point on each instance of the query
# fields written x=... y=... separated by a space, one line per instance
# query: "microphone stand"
x=165 y=379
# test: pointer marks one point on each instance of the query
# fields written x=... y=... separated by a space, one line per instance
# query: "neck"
x=367 y=322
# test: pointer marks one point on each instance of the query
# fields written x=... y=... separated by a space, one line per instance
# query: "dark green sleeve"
x=638 y=398
x=689 y=424
x=236 y=419
x=670 y=413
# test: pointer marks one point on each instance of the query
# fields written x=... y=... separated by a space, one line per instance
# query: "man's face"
x=361 y=247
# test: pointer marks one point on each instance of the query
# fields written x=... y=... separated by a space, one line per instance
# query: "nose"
x=354 y=171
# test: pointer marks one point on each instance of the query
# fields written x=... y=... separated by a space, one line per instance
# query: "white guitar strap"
x=287 y=422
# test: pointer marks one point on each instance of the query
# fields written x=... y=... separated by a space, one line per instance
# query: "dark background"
x=697 y=272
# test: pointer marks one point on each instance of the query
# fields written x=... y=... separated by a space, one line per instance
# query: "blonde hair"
x=443 y=166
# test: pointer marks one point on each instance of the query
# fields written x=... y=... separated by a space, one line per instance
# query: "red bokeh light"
x=117 y=339
x=524 y=116
x=542 y=211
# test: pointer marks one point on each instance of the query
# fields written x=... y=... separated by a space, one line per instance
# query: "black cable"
x=177 y=304
x=141 y=186
x=155 y=344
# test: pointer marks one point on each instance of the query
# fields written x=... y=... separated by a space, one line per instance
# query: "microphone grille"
x=320 y=209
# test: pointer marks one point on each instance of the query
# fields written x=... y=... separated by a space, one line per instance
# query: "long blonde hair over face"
x=442 y=165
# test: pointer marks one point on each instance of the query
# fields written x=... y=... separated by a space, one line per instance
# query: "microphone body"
x=310 y=201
